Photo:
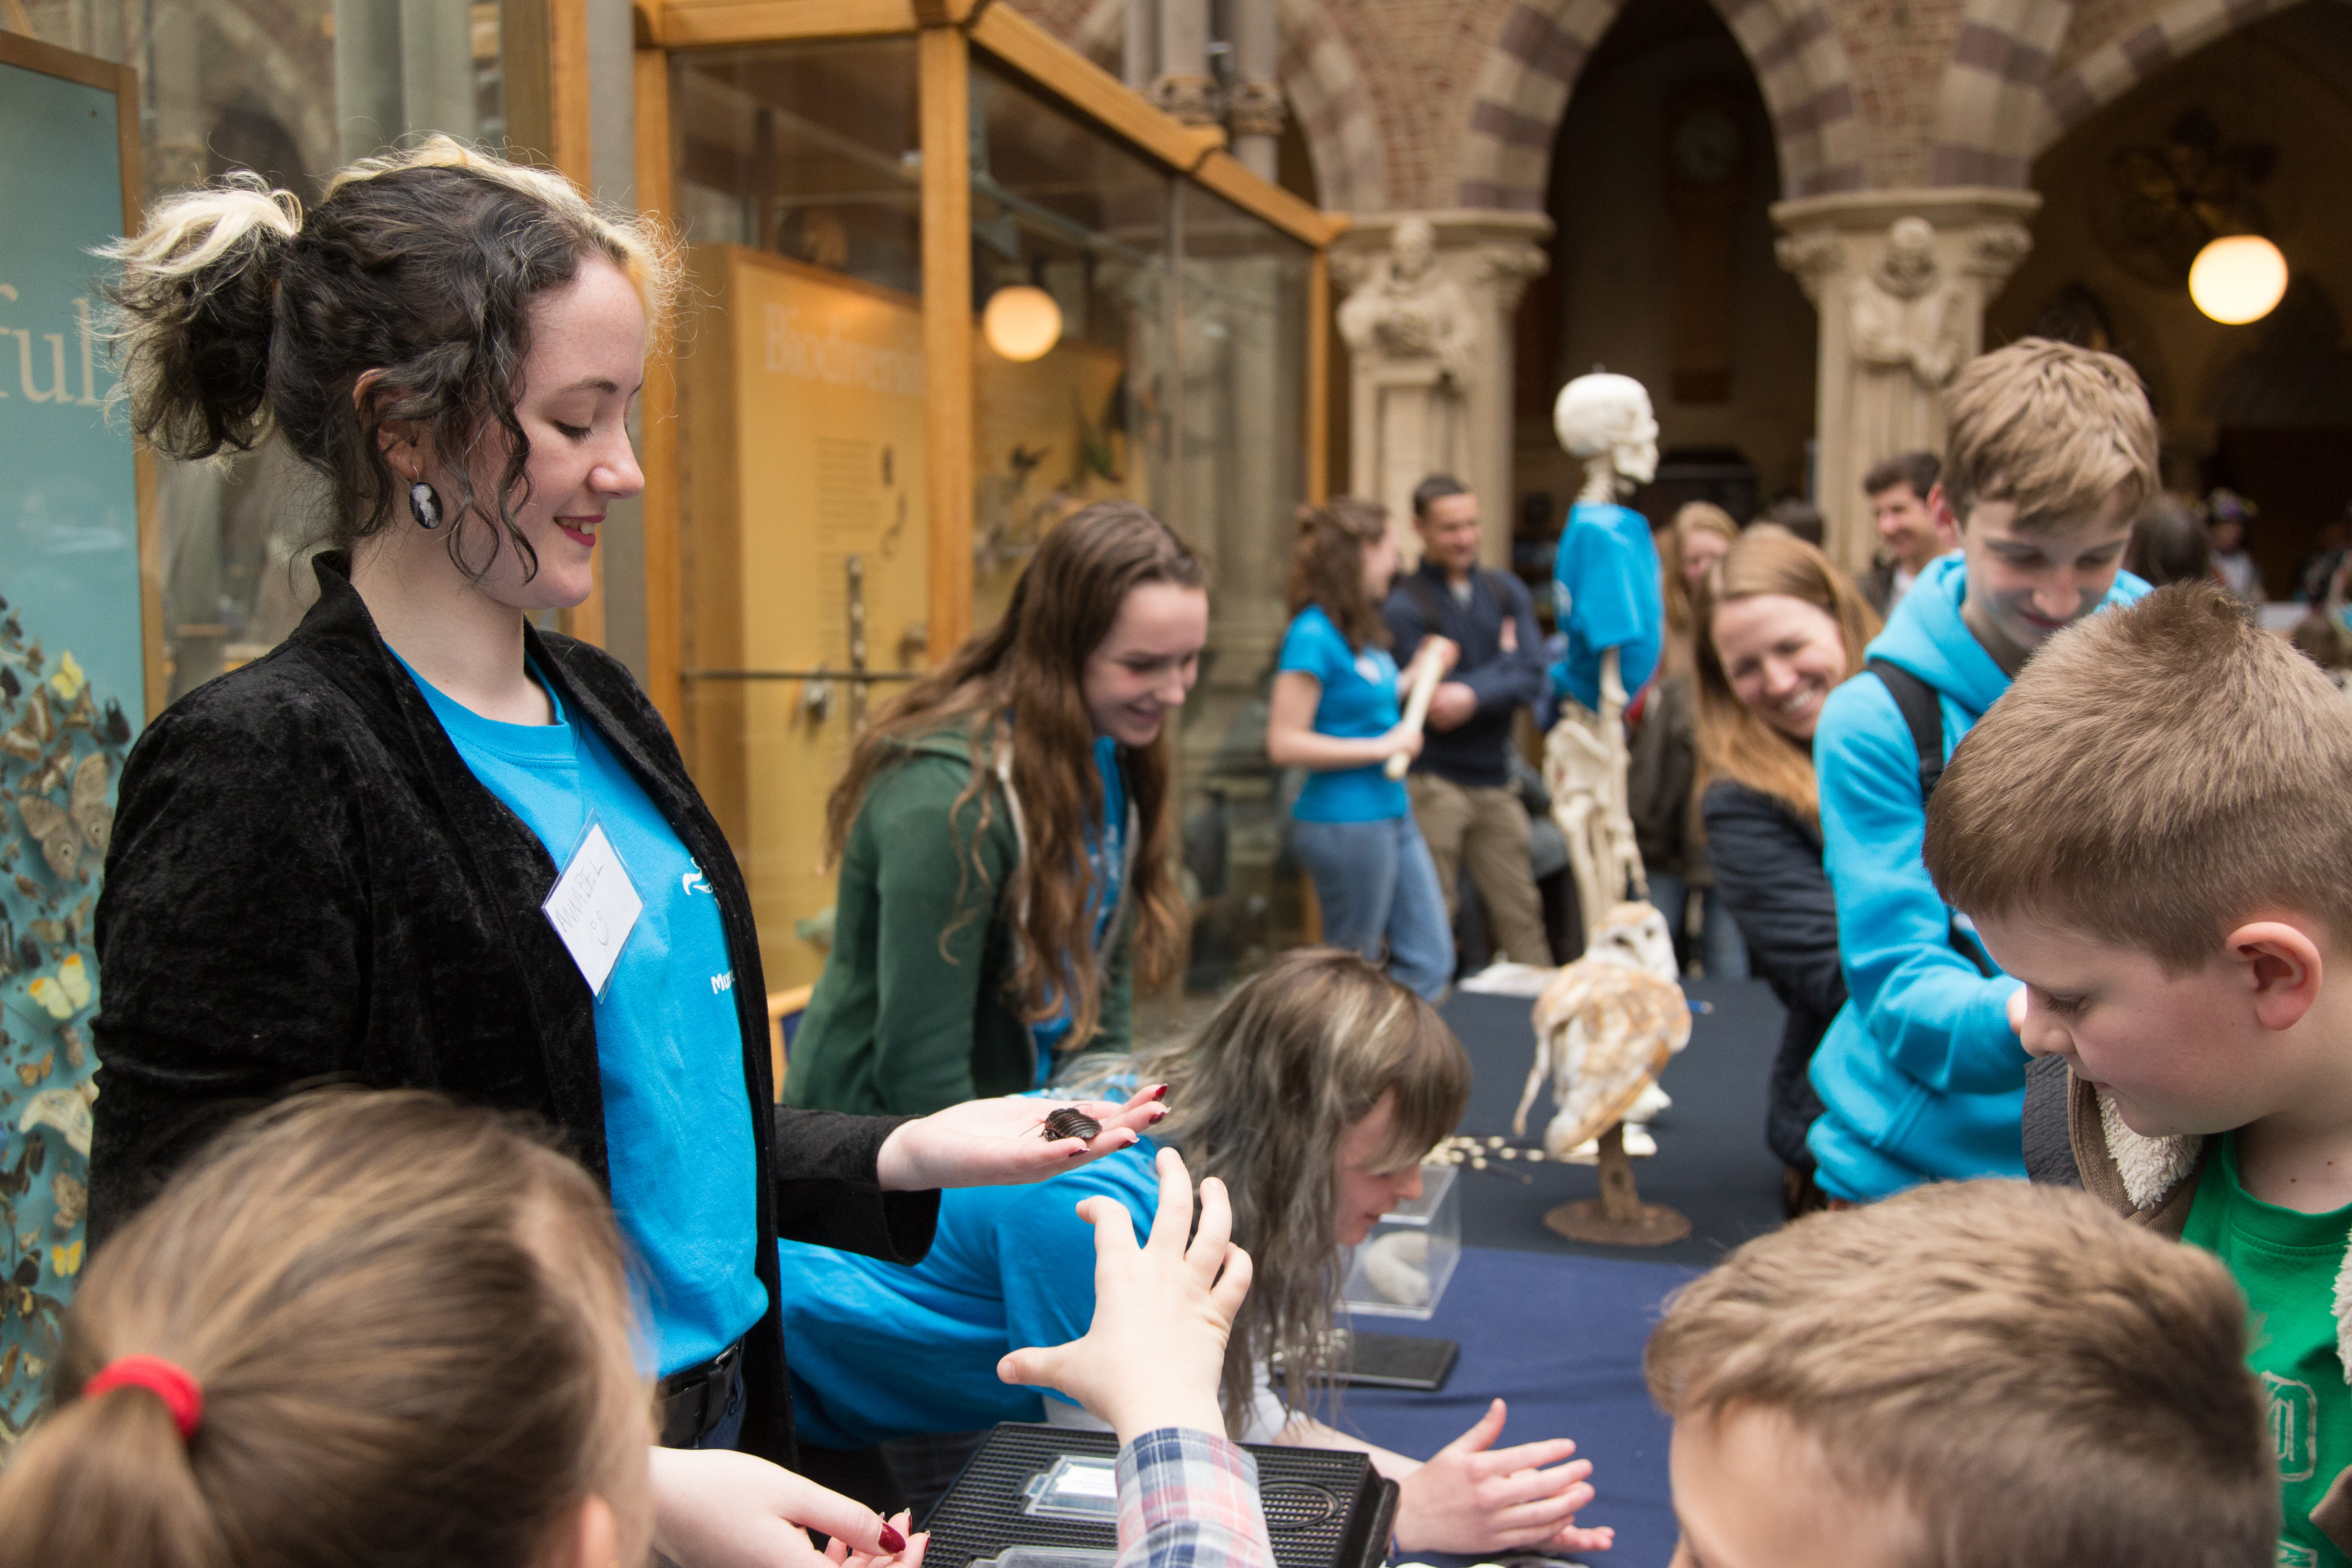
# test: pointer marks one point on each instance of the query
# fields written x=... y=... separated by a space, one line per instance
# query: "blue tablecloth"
x=1559 y=1338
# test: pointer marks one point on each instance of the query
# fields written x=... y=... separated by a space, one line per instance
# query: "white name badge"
x=594 y=908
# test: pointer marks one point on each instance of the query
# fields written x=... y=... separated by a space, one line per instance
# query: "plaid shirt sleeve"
x=1188 y=1500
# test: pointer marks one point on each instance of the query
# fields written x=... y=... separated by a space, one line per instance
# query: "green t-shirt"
x=2286 y=1263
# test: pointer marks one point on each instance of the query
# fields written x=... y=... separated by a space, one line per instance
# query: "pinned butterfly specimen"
x=64 y=993
x=53 y=773
x=67 y=1110
x=48 y=931
x=70 y=679
x=31 y=1073
x=28 y=735
x=33 y=657
x=117 y=728
x=89 y=811
x=65 y=1261
x=32 y=890
x=77 y=922
x=47 y=824
x=28 y=953
x=82 y=715
x=73 y=1201
x=10 y=687
x=12 y=632
x=76 y=1051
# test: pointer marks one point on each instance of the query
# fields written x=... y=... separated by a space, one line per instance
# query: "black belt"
x=690 y=1404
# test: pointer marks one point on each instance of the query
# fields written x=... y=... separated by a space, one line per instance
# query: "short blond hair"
x=2156 y=774
x=2038 y=1382
x=2051 y=428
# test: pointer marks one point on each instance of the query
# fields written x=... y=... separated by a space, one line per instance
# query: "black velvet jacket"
x=307 y=883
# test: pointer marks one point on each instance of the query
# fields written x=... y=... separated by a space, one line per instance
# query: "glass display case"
x=953 y=283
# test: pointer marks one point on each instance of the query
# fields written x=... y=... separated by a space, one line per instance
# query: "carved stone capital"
x=1811 y=257
x=1191 y=98
x=1509 y=265
x=1255 y=109
x=1993 y=253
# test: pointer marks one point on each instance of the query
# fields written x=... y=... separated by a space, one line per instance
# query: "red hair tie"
x=178 y=1390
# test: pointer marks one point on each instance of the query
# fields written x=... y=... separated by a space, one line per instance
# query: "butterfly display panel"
x=73 y=673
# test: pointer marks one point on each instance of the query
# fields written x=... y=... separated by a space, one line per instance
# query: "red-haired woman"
x=1002 y=836
x=1335 y=713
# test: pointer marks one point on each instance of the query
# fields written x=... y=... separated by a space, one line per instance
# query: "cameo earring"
x=424 y=505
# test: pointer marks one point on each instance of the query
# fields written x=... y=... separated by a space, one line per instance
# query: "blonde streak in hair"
x=188 y=234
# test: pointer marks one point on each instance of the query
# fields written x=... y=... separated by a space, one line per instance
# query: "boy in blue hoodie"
x=2050 y=450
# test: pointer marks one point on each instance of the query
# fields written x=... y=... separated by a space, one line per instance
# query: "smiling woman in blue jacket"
x=2052 y=451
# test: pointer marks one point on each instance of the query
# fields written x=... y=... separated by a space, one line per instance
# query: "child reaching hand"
x=1150 y=1365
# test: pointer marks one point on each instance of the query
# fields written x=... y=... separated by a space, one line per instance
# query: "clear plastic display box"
x=1400 y=1270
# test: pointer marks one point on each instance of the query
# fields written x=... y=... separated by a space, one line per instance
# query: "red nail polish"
x=1079 y=1152
x=1159 y=1093
x=1158 y=1116
x=892 y=1541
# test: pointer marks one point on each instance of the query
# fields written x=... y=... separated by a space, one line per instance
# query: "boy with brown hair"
x=2050 y=450
x=2153 y=831
x=1967 y=1374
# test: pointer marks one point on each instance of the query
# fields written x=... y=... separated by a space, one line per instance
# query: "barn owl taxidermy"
x=1605 y=1028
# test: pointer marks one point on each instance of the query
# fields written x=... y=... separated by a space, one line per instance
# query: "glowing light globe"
x=1022 y=323
x=2238 y=278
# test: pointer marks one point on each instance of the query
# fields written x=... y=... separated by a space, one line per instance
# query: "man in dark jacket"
x=1461 y=781
x=1908 y=534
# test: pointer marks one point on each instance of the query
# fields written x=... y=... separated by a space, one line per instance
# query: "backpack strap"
x=1923 y=715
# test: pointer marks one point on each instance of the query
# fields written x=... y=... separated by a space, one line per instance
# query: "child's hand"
x=1156 y=1350
x=1474 y=1498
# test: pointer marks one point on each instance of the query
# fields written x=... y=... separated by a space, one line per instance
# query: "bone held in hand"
x=1416 y=708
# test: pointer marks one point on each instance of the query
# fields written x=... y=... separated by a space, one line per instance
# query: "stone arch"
x=1792 y=46
x=1324 y=84
x=2122 y=62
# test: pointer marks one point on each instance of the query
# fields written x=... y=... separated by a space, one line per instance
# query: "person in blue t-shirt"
x=424 y=845
x=1335 y=713
x=1312 y=1093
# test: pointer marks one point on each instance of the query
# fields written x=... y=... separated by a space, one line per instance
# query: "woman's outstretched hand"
x=1002 y=1142
x=1475 y=1497
x=717 y=1508
x=1156 y=1350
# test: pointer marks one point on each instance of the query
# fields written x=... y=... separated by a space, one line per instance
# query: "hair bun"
x=196 y=304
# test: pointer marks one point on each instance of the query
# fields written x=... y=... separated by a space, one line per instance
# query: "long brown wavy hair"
x=1682 y=608
x=1020 y=684
x=1327 y=567
x=1261 y=1096
x=1733 y=741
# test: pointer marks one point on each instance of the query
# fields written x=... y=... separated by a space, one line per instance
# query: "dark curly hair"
x=236 y=312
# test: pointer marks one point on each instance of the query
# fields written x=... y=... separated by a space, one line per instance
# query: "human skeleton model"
x=1606 y=421
x=1605 y=1028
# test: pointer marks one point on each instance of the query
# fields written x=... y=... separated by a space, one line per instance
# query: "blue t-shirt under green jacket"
x=879 y=1351
x=1605 y=595
x=1359 y=703
x=1106 y=866
x=678 y=1115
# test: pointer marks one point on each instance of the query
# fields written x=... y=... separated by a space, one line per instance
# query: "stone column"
x=1183 y=86
x=1421 y=404
x=1255 y=111
x=1901 y=279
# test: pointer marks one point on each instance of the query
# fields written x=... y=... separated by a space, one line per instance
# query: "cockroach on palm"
x=1069 y=1121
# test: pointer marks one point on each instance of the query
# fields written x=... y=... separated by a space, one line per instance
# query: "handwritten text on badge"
x=594 y=908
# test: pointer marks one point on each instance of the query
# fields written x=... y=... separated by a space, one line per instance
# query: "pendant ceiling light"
x=1022 y=323
x=2238 y=278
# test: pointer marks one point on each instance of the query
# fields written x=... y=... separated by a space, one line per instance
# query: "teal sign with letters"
x=78 y=641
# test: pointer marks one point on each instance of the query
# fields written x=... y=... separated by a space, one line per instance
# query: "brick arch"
x=2130 y=58
x=1530 y=69
x=1324 y=84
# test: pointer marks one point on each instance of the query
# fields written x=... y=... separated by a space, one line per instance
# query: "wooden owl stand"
x=1618 y=1217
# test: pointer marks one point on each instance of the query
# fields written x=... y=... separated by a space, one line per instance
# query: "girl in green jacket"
x=1002 y=834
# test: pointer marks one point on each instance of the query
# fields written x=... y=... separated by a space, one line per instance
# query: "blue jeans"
x=1722 y=952
x=1378 y=887
x=730 y=1430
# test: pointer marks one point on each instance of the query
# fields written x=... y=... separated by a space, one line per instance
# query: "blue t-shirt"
x=879 y=1351
x=1106 y=864
x=1359 y=703
x=669 y=1046
x=1605 y=595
